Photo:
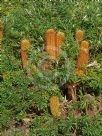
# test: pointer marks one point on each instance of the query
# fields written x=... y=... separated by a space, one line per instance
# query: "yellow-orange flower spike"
x=60 y=38
x=59 y=41
x=82 y=58
x=84 y=53
x=24 y=58
x=84 y=45
x=79 y=35
x=54 y=106
x=51 y=43
x=25 y=44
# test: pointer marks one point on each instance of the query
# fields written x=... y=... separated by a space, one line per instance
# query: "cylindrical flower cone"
x=59 y=41
x=83 y=57
x=84 y=54
x=54 y=106
x=24 y=58
x=25 y=44
x=51 y=43
x=79 y=35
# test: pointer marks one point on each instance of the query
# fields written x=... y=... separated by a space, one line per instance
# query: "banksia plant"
x=25 y=44
x=54 y=106
x=83 y=57
x=59 y=41
x=51 y=43
x=79 y=35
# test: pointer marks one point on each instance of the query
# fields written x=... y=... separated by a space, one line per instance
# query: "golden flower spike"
x=79 y=35
x=51 y=43
x=59 y=41
x=54 y=106
x=25 y=44
x=83 y=57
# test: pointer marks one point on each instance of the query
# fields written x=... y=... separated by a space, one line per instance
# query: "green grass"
x=18 y=93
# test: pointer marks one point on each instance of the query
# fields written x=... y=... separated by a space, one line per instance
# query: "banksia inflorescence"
x=83 y=57
x=25 y=44
x=59 y=41
x=60 y=38
x=55 y=106
x=79 y=35
x=53 y=43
